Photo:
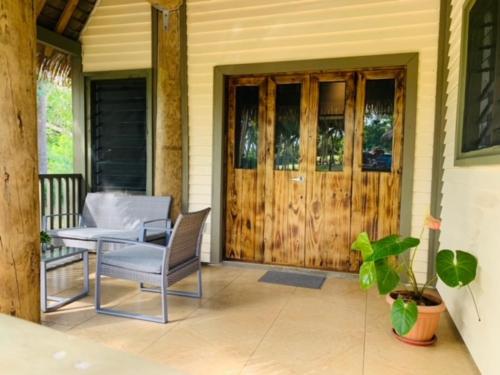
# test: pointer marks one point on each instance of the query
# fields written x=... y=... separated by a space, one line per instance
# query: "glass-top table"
x=52 y=257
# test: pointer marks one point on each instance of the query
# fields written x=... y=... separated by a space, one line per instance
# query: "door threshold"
x=307 y=271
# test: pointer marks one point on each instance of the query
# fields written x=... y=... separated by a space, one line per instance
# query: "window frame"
x=150 y=135
x=486 y=156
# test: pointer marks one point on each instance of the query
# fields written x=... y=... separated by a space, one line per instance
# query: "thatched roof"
x=65 y=17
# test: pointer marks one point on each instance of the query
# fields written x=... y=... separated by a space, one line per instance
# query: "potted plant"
x=415 y=308
x=44 y=239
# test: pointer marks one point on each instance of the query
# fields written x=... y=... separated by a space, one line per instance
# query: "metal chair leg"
x=164 y=303
x=86 y=281
x=200 y=288
x=97 y=289
x=125 y=314
x=181 y=293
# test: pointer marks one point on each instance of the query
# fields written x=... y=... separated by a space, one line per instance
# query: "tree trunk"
x=43 y=160
x=168 y=158
x=19 y=209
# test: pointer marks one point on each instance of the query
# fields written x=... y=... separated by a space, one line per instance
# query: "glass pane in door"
x=247 y=127
x=378 y=125
x=331 y=127
x=287 y=131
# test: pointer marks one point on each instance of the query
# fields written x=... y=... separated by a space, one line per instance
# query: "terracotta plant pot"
x=424 y=331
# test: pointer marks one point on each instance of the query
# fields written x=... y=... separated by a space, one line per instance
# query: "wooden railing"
x=62 y=194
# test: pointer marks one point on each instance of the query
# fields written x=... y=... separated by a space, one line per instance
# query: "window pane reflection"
x=247 y=127
x=378 y=125
x=287 y=132
x=331 y=127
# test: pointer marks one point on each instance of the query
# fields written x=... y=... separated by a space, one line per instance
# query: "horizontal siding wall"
x=471 y=217
x=223 y=32
x=118 y=36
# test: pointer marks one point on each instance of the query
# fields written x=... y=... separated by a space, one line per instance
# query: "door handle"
x=298 y=179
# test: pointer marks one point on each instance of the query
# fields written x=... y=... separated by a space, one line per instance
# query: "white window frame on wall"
x=488 y=155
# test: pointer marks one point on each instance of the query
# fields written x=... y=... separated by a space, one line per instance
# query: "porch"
x=242 y=326
x=261 y=111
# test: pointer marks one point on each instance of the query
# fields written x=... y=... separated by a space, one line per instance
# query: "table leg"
x=86 y=284
x=43 y=286
x=58 y=302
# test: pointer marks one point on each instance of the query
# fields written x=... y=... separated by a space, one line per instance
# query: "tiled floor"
x=242 y=326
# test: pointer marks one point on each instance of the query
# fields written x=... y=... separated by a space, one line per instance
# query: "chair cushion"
x=135 y=258
x=93 y=234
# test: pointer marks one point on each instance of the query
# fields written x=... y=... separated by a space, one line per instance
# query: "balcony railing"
x=62 y=194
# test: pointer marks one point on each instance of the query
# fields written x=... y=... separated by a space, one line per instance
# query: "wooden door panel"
x=305 y=207
x=244 y=183
x=329 y=192
x=377 y=194
x=233 y=221
x=285 y=198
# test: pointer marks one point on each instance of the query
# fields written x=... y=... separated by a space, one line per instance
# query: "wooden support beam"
x=39 y=6
x=19 y=207
x=168 y=150
x=58 y=41
x=166 y=4
x=68 y=11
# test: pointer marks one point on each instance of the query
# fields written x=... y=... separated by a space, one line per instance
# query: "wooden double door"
x=312 y=160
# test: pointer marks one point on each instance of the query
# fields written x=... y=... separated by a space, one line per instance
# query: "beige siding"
x=471 y=217
x=222 y=32
x=118 y=36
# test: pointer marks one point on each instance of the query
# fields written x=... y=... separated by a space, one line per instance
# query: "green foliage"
x=376 y=267
x=44 y=237
x=364 y=245
x=403 y=316
x=367 y=275
x=387 y=276
x=330 y=143
x=59 y=127
x=376 y=133
x=456 y=269
x=287 y=138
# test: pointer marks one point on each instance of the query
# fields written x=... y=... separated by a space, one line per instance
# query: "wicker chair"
x=155 y=265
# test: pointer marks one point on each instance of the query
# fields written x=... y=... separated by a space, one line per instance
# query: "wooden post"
x=168 y=143
x=19 y=209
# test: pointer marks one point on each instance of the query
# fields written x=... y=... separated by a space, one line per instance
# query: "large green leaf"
x=391 y=246
x=364 y=245
x=367 y=275
x=456 y=269
x=403 y=316
x=387 y=276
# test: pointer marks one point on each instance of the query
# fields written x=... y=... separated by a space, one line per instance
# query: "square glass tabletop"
x=53 y=253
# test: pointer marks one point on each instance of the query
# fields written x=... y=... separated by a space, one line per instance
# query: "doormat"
x=293 y=279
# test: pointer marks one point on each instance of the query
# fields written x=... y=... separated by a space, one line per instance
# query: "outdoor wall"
x=471 y=217
x=118 y=36
x=223 y=32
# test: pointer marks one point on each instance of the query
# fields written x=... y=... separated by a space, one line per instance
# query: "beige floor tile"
x=224 y=331
x=193 y=353
x=72 y=314
x=129 y=335
x=242 y=326
x=225 y=342
x=385 y=354
x=313 y=334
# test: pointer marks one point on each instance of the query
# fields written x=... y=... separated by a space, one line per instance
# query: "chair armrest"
x=102 y=240
x=45 y=219
x=168 y=222
x=146 y=226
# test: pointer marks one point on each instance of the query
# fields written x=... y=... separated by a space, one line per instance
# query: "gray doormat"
x=293 y=279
